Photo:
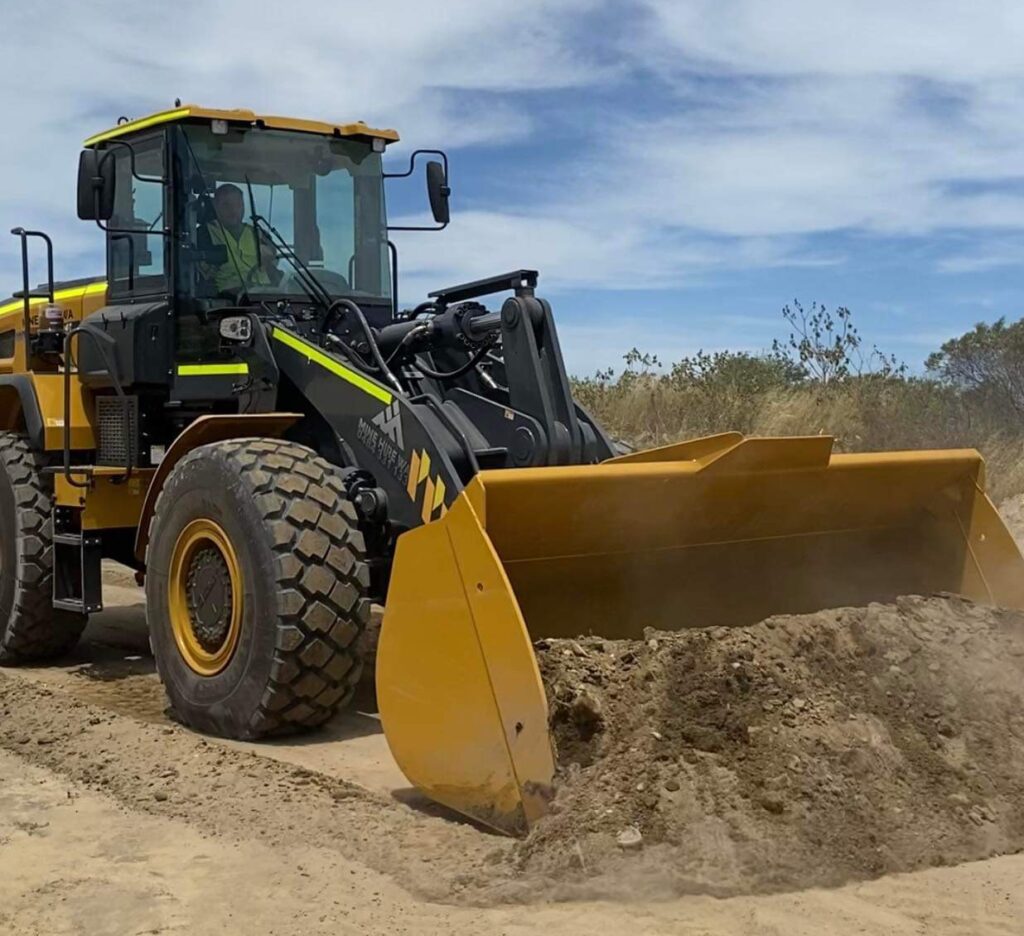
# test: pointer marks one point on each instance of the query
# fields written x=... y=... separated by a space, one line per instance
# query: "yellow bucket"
x=717 y=531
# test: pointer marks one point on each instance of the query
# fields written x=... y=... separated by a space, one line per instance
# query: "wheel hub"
x=205 y=597
x=209 y=595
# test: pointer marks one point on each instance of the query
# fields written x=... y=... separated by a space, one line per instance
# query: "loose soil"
x=824 y=749
x=77 y=862
x=804 y=750
x=1012 y=511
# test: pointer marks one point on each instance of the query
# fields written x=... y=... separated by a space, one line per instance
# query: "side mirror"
x=95 y=186
x=438 y=192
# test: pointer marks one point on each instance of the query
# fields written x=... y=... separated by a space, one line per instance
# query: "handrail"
x=97 y=336
x=26 y=289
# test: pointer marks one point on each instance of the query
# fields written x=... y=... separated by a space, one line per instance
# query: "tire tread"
x=319 y=564
x=35 y=629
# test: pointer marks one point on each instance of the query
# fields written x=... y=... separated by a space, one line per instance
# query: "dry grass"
x=868 y=413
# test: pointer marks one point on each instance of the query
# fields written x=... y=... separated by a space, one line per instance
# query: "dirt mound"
x=1012 y=511
x=804 y=750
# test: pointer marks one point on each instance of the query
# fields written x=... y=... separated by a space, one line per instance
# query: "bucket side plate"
x=459 y=691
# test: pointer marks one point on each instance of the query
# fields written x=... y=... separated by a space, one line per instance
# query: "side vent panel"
x=117 y=431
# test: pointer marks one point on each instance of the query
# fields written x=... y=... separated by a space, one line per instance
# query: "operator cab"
x=298 y=200
x=320 y=199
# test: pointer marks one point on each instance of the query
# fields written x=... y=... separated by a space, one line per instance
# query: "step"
x=67 y=539
x=76 y=604
x=77 y=582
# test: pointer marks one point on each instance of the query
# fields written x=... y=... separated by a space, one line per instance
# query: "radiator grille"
x=117 y=436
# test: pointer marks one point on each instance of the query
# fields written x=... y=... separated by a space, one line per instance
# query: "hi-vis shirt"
x=243 y=257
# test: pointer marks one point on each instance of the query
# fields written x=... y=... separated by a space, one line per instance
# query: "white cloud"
x=396 y=63
x=578 y=246
x=983 y=256
x=865 y=115
x=948 y=40
x=768 y=124
x=800 y=156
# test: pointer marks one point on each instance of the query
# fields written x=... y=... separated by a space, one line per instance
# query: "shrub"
x=818 y=381
x=987 y=364
x=827 y=347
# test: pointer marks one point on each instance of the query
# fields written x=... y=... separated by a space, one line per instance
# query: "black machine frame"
x=409 y=410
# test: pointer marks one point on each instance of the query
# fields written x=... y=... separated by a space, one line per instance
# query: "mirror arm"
x=408 y=172
x=412 y=163
x=107 y=153
x=145 y=232
x=401 y=227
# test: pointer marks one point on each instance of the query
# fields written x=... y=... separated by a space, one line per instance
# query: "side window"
x=135 y=261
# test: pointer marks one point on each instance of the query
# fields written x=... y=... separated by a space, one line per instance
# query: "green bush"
x=987 y=365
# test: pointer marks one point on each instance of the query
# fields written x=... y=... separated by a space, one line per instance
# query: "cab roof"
x=241 y=116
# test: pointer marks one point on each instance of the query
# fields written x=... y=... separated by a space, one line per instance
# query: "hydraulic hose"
x=458 y=372
x=407 y=339
x=421 y=309
x=370 y=339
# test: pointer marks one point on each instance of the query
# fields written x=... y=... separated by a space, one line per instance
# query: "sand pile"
x=802 y=750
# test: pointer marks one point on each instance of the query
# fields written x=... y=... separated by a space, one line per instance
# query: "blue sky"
x=677 y=170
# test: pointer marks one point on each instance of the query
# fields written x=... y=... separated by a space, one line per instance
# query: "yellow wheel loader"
x=240 y=410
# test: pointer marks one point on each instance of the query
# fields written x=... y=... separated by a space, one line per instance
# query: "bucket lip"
x=572 y=512
x=734 y=460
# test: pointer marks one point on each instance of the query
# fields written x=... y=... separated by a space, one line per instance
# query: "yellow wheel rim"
x=205 y=597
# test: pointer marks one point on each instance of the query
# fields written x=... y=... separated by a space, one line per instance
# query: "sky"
x=677 y=170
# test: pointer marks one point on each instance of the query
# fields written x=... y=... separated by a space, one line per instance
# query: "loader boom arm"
x=537 y=382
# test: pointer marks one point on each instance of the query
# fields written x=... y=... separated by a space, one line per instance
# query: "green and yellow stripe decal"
x=73 y=292
x=211 y=370
x=141 y=124
x=314 y=354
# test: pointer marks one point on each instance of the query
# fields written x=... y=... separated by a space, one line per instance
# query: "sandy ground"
x=114 y=820
x=75 y=861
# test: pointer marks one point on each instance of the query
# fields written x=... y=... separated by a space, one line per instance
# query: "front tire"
x=256 y=585
x=30 y=627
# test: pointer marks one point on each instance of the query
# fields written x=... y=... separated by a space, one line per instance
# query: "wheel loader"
x=241 y=410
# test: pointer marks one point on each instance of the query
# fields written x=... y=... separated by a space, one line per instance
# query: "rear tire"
x=30 y=627
x=267 y=521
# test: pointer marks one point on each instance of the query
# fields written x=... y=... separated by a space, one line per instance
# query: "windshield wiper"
x=310 y=284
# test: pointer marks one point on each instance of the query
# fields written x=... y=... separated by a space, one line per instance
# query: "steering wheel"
x=331 y=281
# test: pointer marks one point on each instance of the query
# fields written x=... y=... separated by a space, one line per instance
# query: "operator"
x=250 y=261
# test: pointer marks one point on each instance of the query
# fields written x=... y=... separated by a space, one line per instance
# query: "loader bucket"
x=719 y=531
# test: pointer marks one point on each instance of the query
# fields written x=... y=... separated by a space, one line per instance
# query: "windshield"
x=316 y=198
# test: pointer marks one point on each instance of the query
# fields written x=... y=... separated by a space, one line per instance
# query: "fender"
x=203 y=431
x=37 y=401
x=26 y=410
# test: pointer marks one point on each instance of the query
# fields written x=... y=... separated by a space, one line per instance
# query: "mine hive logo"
x=389 y=421
x=423 y=483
